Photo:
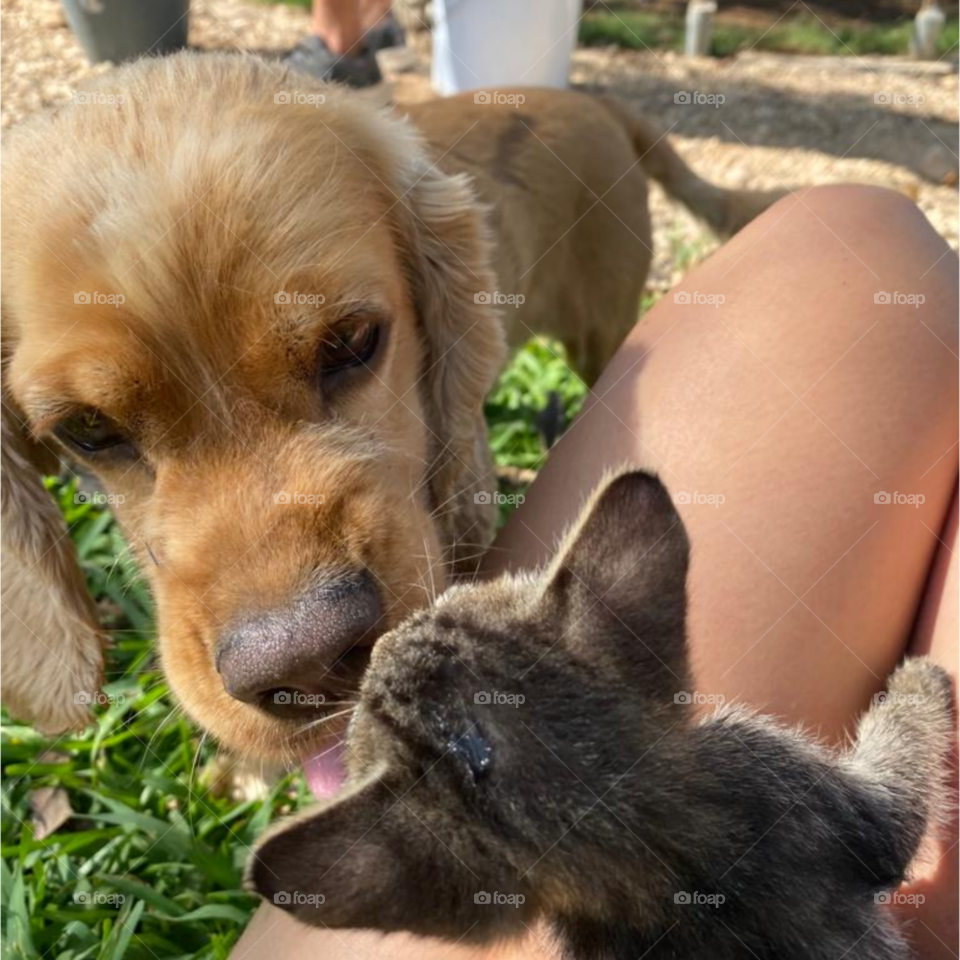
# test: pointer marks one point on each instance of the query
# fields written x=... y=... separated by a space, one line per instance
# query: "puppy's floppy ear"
x=620 y=576
x=52 y=646
x=452 y=263
x=366 y=861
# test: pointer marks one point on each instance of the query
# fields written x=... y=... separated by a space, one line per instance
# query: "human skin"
x=342 y=23
x=798 y=399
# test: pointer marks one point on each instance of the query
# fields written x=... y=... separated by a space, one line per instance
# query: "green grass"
x=802 y=34
x=144 y=827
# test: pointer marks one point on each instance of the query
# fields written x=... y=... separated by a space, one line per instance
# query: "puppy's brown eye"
x=349 y=344
x=92 y=432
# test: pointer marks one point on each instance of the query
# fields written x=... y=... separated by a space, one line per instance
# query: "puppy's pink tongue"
x=324 y=771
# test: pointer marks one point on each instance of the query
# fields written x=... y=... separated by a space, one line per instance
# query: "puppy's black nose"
x=280 y=660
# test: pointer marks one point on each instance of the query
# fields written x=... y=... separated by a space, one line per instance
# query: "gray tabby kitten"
x=523 y=751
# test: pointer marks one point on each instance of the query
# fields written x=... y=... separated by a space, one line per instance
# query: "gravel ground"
x=791 y=121
x=784 y=120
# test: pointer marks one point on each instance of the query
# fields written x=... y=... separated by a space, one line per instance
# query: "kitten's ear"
x=342 y=865
x=621 y=573
x=366 y=861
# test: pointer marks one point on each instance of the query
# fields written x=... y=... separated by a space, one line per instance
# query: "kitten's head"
x=488 y=730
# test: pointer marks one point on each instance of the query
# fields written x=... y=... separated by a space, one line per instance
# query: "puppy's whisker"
x=154 y=684
x=429 y=474
x=193 y=769
x=443 y=563
x=320 y=721
x=170 y=714
x=429 y=559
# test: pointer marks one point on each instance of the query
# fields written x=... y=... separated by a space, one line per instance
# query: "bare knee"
x=879 y=233
x=853 y=199
x=853 y=252
x=851 y=205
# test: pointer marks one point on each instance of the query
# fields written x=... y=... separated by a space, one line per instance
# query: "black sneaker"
x=385 y=34
x=311 y=55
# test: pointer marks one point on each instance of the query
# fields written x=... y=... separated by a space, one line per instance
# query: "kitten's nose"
x=279 y=660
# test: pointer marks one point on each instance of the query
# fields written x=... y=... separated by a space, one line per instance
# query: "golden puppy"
x=265 y=313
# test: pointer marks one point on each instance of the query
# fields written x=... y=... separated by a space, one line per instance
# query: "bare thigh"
x=778 y=419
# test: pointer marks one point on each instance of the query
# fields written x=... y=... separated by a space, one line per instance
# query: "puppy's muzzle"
x=284 y=660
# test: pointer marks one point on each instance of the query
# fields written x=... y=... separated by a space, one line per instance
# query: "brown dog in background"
x=265 y=313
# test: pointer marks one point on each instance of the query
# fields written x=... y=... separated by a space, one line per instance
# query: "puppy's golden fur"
x=198 y=199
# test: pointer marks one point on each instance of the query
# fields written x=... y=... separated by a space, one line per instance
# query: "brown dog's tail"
x=726 y=211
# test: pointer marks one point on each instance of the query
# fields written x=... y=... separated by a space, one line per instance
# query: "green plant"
x=521 y=394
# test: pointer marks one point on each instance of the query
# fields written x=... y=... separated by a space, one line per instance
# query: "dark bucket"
x=119 y=30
